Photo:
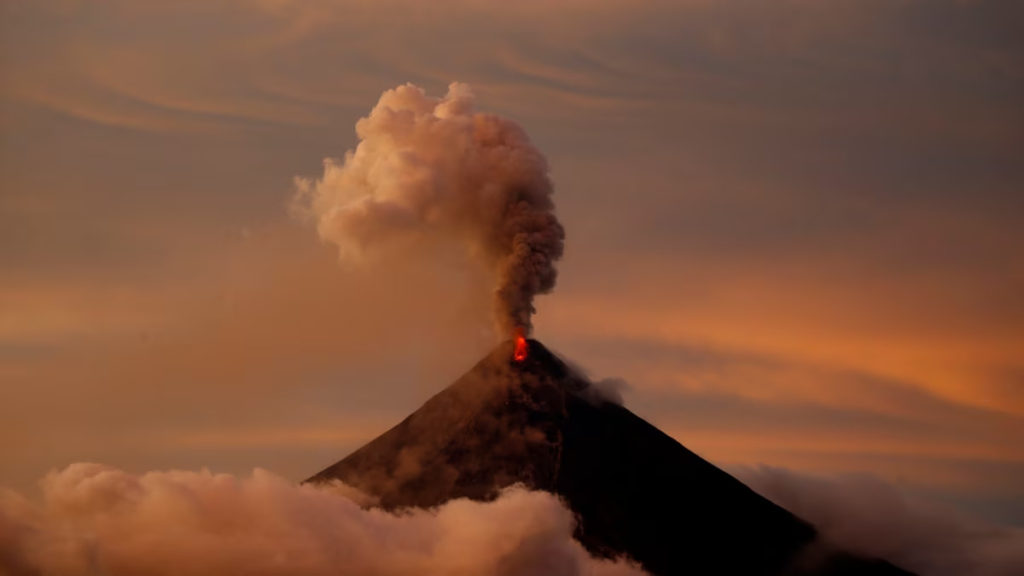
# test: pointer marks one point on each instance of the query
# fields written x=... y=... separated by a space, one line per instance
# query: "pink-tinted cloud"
x=99 y=520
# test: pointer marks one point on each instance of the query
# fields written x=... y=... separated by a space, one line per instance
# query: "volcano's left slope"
x=498 y=424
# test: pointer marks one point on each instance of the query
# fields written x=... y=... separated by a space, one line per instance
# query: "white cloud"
x=95 y=519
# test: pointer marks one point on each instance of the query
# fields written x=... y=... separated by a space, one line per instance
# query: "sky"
x=794 y=229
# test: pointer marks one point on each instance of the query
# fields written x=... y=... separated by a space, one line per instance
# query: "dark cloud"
x=870 y=516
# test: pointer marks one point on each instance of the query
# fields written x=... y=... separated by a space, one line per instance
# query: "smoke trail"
x=430 y=168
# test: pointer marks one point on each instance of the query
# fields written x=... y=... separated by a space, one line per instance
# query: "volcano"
x=635 y=490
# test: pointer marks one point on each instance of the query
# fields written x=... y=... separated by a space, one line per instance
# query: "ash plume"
x=429 y=169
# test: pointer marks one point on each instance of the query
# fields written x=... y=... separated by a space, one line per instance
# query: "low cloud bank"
x=870 y=516
x=95 y=519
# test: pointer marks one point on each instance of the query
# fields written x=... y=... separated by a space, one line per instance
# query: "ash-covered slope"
x=634 y=489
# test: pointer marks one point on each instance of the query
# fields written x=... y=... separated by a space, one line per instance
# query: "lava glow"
x=520 y=351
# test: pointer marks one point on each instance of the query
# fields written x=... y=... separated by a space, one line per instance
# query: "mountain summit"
x=634 y=489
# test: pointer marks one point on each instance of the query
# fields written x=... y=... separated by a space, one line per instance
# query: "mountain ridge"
x=634 y=489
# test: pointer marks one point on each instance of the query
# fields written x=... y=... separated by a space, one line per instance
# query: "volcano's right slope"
x=634 y=489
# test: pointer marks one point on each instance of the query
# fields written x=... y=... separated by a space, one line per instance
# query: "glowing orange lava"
x=520 y=352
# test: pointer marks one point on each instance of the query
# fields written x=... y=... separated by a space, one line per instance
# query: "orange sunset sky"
x=795 y=229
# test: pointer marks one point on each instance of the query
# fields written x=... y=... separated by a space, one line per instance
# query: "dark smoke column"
x=534 y=240
x=435 y=168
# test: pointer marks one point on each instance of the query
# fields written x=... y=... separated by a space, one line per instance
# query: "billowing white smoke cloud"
x=867 y=515
x=96 y=520
x=428 y=169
